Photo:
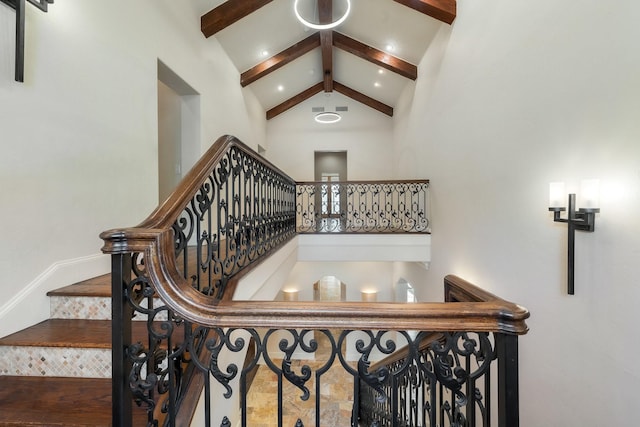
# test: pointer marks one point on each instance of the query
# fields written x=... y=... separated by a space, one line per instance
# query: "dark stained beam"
x=227 y=13
x=292 y=102
x=280 y=60
x=325 y=15
x=363 y=99
x=376 y=56
x=442 y=10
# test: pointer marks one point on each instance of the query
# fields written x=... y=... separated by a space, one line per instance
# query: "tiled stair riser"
x=93 y=308
x=66 y=361
x=55 y=361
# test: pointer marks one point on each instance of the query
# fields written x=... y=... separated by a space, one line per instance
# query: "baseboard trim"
x=31 y=304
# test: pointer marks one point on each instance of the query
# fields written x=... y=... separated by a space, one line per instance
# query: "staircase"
x=58 y=372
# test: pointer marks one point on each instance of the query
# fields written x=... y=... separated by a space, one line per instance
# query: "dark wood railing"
x=178 y=270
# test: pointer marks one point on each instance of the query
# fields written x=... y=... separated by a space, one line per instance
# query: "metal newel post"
x=121 y=313
x=508 y=397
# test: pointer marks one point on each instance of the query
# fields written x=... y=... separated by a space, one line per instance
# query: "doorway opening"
x=330 y=168
x=178 y=129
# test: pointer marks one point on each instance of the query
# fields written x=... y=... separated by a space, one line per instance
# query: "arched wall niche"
x=329 y=288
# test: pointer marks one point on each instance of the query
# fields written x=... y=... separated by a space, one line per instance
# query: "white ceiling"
x=274 y=27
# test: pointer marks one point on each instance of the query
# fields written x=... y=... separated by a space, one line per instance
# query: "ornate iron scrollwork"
x=434 y=382
x=362 y=207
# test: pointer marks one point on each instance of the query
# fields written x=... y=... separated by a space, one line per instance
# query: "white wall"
x=79 y=137
x=364 y=133
x=513 y=96
x=358 y=276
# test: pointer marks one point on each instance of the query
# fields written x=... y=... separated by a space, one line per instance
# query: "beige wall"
x=515 y=95
x=79 y=137
x=365 y=134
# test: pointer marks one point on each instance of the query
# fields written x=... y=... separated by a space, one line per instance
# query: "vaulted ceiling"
x=369 y=58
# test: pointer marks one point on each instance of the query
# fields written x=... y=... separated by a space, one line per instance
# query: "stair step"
x=62 y=348
x=99 y=286
x=50 y=401
x=89 y=299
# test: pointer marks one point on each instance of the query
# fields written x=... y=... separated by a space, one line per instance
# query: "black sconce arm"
x=583 y=220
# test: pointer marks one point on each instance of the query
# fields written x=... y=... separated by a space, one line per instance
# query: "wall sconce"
x=19 y=6
x=583 y=219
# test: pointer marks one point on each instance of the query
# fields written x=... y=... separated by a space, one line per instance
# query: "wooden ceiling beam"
x=280 y=60
x=375 y=56
x=228 y=13
x=442 y=10
x=325 y=15
x=363 y=99
x=292 y=102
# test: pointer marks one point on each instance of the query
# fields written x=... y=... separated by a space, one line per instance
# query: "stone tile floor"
x=336 y=398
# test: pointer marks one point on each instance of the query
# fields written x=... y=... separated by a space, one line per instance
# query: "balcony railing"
x=362 y=207
x=177 y=272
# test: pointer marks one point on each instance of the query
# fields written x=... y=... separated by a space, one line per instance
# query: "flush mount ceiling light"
x=327 y=117
x=321 y=26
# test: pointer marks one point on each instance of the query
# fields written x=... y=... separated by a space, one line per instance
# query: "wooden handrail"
x=494 y=315
x=456 y=290
x=488 y=316
x=136 y=239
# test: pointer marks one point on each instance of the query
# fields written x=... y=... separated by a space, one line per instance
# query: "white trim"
x=31 y=304
x=407 y=247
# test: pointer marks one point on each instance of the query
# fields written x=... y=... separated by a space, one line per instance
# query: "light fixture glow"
x=321 y=26
x=290 y=294
x=280 y=88
x=327 y=117
x=369 y=295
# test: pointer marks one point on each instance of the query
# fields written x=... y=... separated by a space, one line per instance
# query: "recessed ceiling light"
x=380 y=71
x=327 y=117
x=377 y=84
x=280 y=88
x=390 y=48
x=264 y=53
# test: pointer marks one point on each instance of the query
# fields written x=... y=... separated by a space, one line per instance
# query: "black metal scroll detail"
x=377 y=379
x=242 y=211
x=362 y=207
x=216 y=345
x=288 y=348
x=429 y=387
x=141 y=385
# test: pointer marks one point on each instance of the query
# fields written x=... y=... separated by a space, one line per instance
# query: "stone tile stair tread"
x=36 y=401
x=99 y=286
x=70 y=333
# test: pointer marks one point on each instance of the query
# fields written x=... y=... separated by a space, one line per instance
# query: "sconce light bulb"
x=557 y=195
x=590 y=194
